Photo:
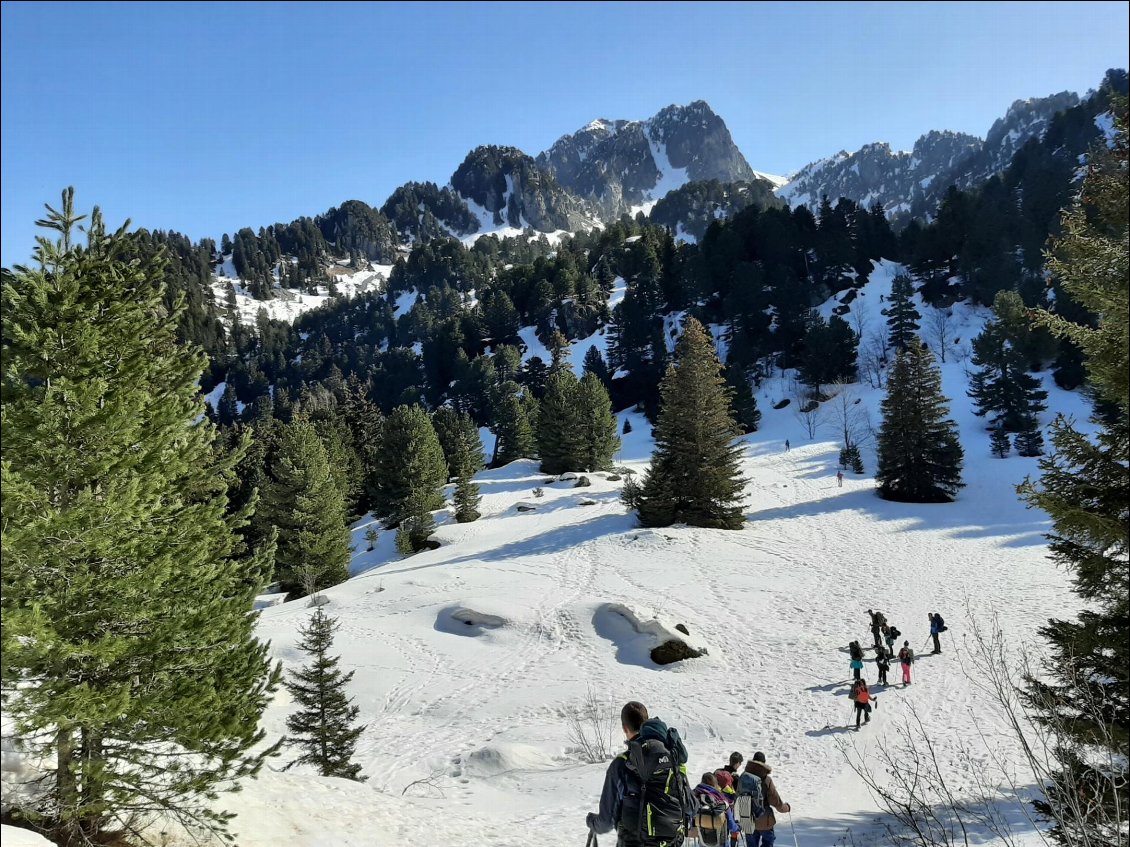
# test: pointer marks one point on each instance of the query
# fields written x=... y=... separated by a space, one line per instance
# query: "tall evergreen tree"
x=514 y=433
x=559 y=435
x=128 y=645
x=920 y=456
x=1085 y=487
x=1002 y=386
x=744 y=404
x=694 y=476
x=366 y=427
x=324 y=725
x=902 y=316
x=412 y=468
x=596 y=425
x=594 y=364
x=303 y=501
x=999 y=442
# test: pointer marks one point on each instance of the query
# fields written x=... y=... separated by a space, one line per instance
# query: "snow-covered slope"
x=469 y=658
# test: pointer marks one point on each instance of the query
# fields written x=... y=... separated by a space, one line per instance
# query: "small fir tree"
x=1002 y=388
x=902 y=316
x=466 y=498
x=415 y=528
x=594 y=364
x=999 y=442
x=694 y=476
x=324 y=727
x=412 y=468
x=742 y=401
x=920 y=456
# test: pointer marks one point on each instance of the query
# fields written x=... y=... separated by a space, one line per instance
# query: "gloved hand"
x=788 y=808
x=590 y=820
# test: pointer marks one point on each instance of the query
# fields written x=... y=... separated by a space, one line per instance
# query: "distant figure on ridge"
x=862 y=699
x=906 y=659
x=840 y=478
x=786 y=445
x=856 y=653
x=877 y=621
x=937 y=627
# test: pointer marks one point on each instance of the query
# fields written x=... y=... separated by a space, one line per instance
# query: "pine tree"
x=467 y=460
x=324 y=726
x=416 y=527
x=227 y=413
x=596 y=425
x=366 y=427
x=467 y=498
x=1085 y=488
x=512 y=428
x=999 y=442
x=594 y=364
x=694 y=476
x=128 y=645
x=559 y=426
x=303 y=501
x=920 y=456
x=902 y=316
x=742 y=400
x=1002 y=385
x=1030 y=442
x=412 y=469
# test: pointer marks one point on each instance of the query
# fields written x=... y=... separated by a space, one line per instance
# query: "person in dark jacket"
x=619 y=799
x=882 y=664
x=856 y=653
x=877 y=621
x=937 y=627
x=734 y=768
x=764 y=836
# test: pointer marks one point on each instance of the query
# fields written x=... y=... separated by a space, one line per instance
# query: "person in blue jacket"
x=620 y=797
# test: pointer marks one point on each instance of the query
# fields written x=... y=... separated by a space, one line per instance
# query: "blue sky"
x=205 y=118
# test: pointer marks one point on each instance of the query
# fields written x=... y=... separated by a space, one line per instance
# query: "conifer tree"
x=416 y=526
x=596 y=425
x=1002 y=385
x=594 y=364
x=558 y=347
x=129 y=652
x=559 y=426
x=744 y=404
x=1085 y=487
x=467 y=498
x=999 y=442
x=227 y=412
x=902 y=316
x=694 y=476
x=467 y=460
x=305 y=504
x=920 y=456
x=515 y=436
x=1030 y=442
x=324 y=725
x=366 y=426
x=412 y=469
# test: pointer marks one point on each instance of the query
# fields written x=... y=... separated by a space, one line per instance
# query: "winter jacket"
x=772 y=799
x=855 y=651
x=717 y=797
x=620 y=781
x=862 y=696
x=856 y=664
x=906 y=656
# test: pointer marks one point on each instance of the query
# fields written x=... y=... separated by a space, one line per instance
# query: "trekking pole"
x=791 y=827
x=592 y=838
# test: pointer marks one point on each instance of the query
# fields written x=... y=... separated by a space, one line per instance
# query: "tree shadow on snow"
x=923 y=516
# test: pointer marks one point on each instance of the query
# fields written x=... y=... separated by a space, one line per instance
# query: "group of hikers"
x=885 y=635
x=647 y=799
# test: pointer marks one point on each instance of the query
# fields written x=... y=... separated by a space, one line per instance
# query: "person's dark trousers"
x=937 y=644
x=761 y=839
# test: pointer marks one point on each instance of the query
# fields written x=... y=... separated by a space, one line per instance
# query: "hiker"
x=786 y=445
x=840 y=478
x=891 y=635
x=856 y=653
x=862 y=699
x=882 y=664
x=713 y=817
x=906 y=659
x=655 y=756
x=877 y=621
x=763 y=835
x=725 y=782
x=937 y=627
x=734 y=768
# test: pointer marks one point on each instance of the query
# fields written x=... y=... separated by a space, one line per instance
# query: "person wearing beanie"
x=764 y=836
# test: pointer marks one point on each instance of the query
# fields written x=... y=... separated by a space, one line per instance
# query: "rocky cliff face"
x=912 y=183
x=616 y=165
x=517 y=192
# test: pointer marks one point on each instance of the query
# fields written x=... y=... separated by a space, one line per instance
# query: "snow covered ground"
x=468 y=659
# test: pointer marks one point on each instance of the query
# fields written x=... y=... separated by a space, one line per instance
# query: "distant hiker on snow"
x=786 y=445
x=906 y=659
x=891 y=635
x=878 y=619
x=655 y=763
x=937 y=627
x=882 y=663
x=840 y=478
x=856 y=653
x=763 y=835
x=862 y=699
x=713 y=817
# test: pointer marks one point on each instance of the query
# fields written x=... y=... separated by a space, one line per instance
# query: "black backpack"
x=941 y=624
x=659 y=812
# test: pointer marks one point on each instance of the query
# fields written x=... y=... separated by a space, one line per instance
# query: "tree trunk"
x=68 y=830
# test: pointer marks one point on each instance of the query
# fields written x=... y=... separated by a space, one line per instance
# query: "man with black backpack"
x=937 y=627
x=646 y=797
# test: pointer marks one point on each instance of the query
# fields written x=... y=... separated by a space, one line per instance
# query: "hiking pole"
x=592 y=838
x=791 y=827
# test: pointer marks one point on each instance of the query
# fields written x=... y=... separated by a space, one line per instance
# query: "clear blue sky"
x=204 y=118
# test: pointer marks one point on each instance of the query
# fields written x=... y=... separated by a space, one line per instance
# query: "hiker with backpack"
x=877 y=621
x=891 y=635
x=882 y=664
x=856 y=653
x=645 y=798
x=862 y=699
x=757 y=798
x=713 y=817
x=906 y=659
x=734 y=767
x=937 y=627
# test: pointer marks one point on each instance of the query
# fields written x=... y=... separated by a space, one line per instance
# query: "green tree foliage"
x=559 y=435
x=412 y=469
x=365 y=422
x=304 y=502
x=324 y=726
x=694 y=476
x=1002 y=387
x=829 y=353
x=596 y=425
x=515 y=434
x=999 y=442
x=459 y=438
x=128 y=646
x=744 y=404
x=594 y=364
x=1085 y=487
x=902 y=316
x=920 y=456
x=416 y=526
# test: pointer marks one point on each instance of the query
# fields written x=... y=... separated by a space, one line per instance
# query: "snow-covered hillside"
x=469 y=658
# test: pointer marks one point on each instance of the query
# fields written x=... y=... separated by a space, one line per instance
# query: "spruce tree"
x=1030 y=442
x=594 y=364
x=744 y=404
x=366 y=426
x=596 y=425
x=515 y=436
x=1002 y=386
x=128 y=646
x=902 y=316
x=467 y=498
x=999 y=442
x=305 y=504
x=324 y=725
x=1085 y=487
x=559 y=426
x=694 y=476
x=920 y=456
x=227 y=413
x=416 y=527
x=467 y=460
x=412 y=470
